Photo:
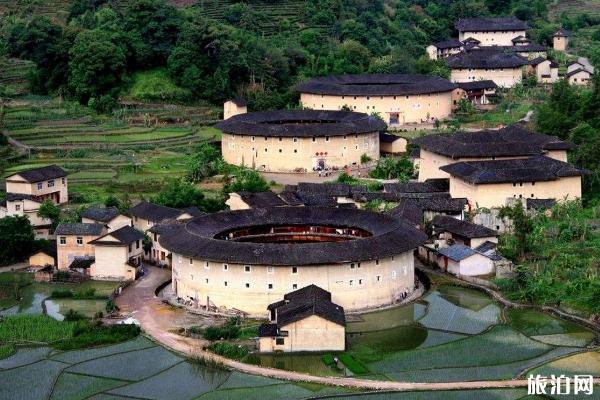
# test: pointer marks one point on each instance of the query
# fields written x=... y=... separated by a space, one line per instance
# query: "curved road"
x=157 y=319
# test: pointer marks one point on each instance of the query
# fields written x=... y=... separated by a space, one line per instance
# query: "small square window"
x=224 y=283
x=191 y=261
x=378 y=278
x=51 y=183
x=79 y=241
x=280 y=341
x=17 y=207
x=62 y=240
x=40 y=185
x=351 y=282
x=247 y=268
x=207 y=280
x=295 y=286
x=294 y=270
x=270 y=286
x=225 y=267
x=376 y=262
x=357 y=265
x=327 y=138
x=247 y=285
x=295 y=139
x=351 y=265
x=206 y=265
x=360 y=281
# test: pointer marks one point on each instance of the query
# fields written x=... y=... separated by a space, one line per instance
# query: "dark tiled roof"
x=193 y=211
x=562 y=32
x=464 y=229
x=121 y=237
x=532 y=169
x=301 y=123
x=576 y=71
x=79 y=228
x=457 y=252
x=471 y=40
x=395 y=196
x=21 y=196
x=524 y=48
x=375 y=85
x=82 y=262
x=488 y=249
x=448 y=44
x=291 y=198
x=49 y=248
x=409 y=211
x=153 y=212
x=102 y=214
x=477 y=85
x=512 y=140
x=521 y=39
x=417 y=187
x=262 y=199
x=388 y=138
x=197 y=238
x=490 y=24
x=308 y=301
x=328 y=189
x=540 y=204
x=41 y=174
x=486 y=58
x=536 y=61
x=441 y=204
x=165 y=226
x=238 y=101
x=268 y=330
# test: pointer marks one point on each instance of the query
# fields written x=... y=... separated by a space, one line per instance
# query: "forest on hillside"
x=259 y=49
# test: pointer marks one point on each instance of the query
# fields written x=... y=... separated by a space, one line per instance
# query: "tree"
x=207 y=161
x=246 y=180
x=180 y=193
x=51 y=211
x=392 y=168
x=522 y=226
x=18 y=239
x=96 y=65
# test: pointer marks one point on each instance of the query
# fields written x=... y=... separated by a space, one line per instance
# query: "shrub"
x=355 y=366
x=364 y=158
x=73 y=315
x=328 y=359
x=61 y=294
x=111 y=306
x=85 y=293
x=229 y=350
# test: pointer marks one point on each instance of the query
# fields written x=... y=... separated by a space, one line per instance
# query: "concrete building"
x=491 y=31
x=27 y=190
x=491 y=183
x=117 y=255
x=74 y=240
x=510 y=142
x=400 y=100
x=108 y=216
x=579 y=77
x=299 y=140
x=305 y=320
x=46 y=256
x=392 y=144
x=461 y=260
x=234 y=107
x=560 y=40
x=448 y=230
x=444 y=48
x=545 y=70
x=247 y=259
x=504 y=68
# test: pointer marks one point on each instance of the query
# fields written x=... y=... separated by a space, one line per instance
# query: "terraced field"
x=56 y=10
x=13 y=75
x=574 y=7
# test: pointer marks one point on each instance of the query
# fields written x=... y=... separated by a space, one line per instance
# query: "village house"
x=461 y=260
x=305 y=320
x=117 y=255
x=490 y=183
x=504 y=68
x=477 y=92
x=444 y=48
x=579 y=72
x=108 y=216
x=510 y=142
x=246 y=200
x=27 y=190
x=74 y=240
x=391 y=144
x=46 y=256
x=234 y=107
x=448 y=231
x=545 y=70
x=402 y=101
x=560 y=40
x=491 y=31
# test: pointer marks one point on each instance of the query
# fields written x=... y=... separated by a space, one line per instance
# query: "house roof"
x=536 y=61
x=478 y=85
x=439 y=204
x=301 y=123
x=562 y=32
x=375 y=85
x=305 y=302
x=22 y=196
x=540 y=204
x=200 y=238
x=448 y=44
x=488 y=57
x=576 y=71
x=532 y=169
x=471 y=40
x=193 y=211
x=521 y=39
x=268 y=330
x=291 y=198
x=512 y=140
x=522 y=48
x=82 y=262
x=461 y=228
x=238 y=101
x=490 y=24
x=433 y=186
x=488 y=249
x=79 y=228
x=262 y=199
x=154 y=212
x=457 y=252
x=41 y=173
x=409 y=211
x=49 y=248
x=120 y=237
x=388 y=138
x=102 y=214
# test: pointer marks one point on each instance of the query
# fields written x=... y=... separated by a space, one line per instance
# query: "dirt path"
x=156 y=319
